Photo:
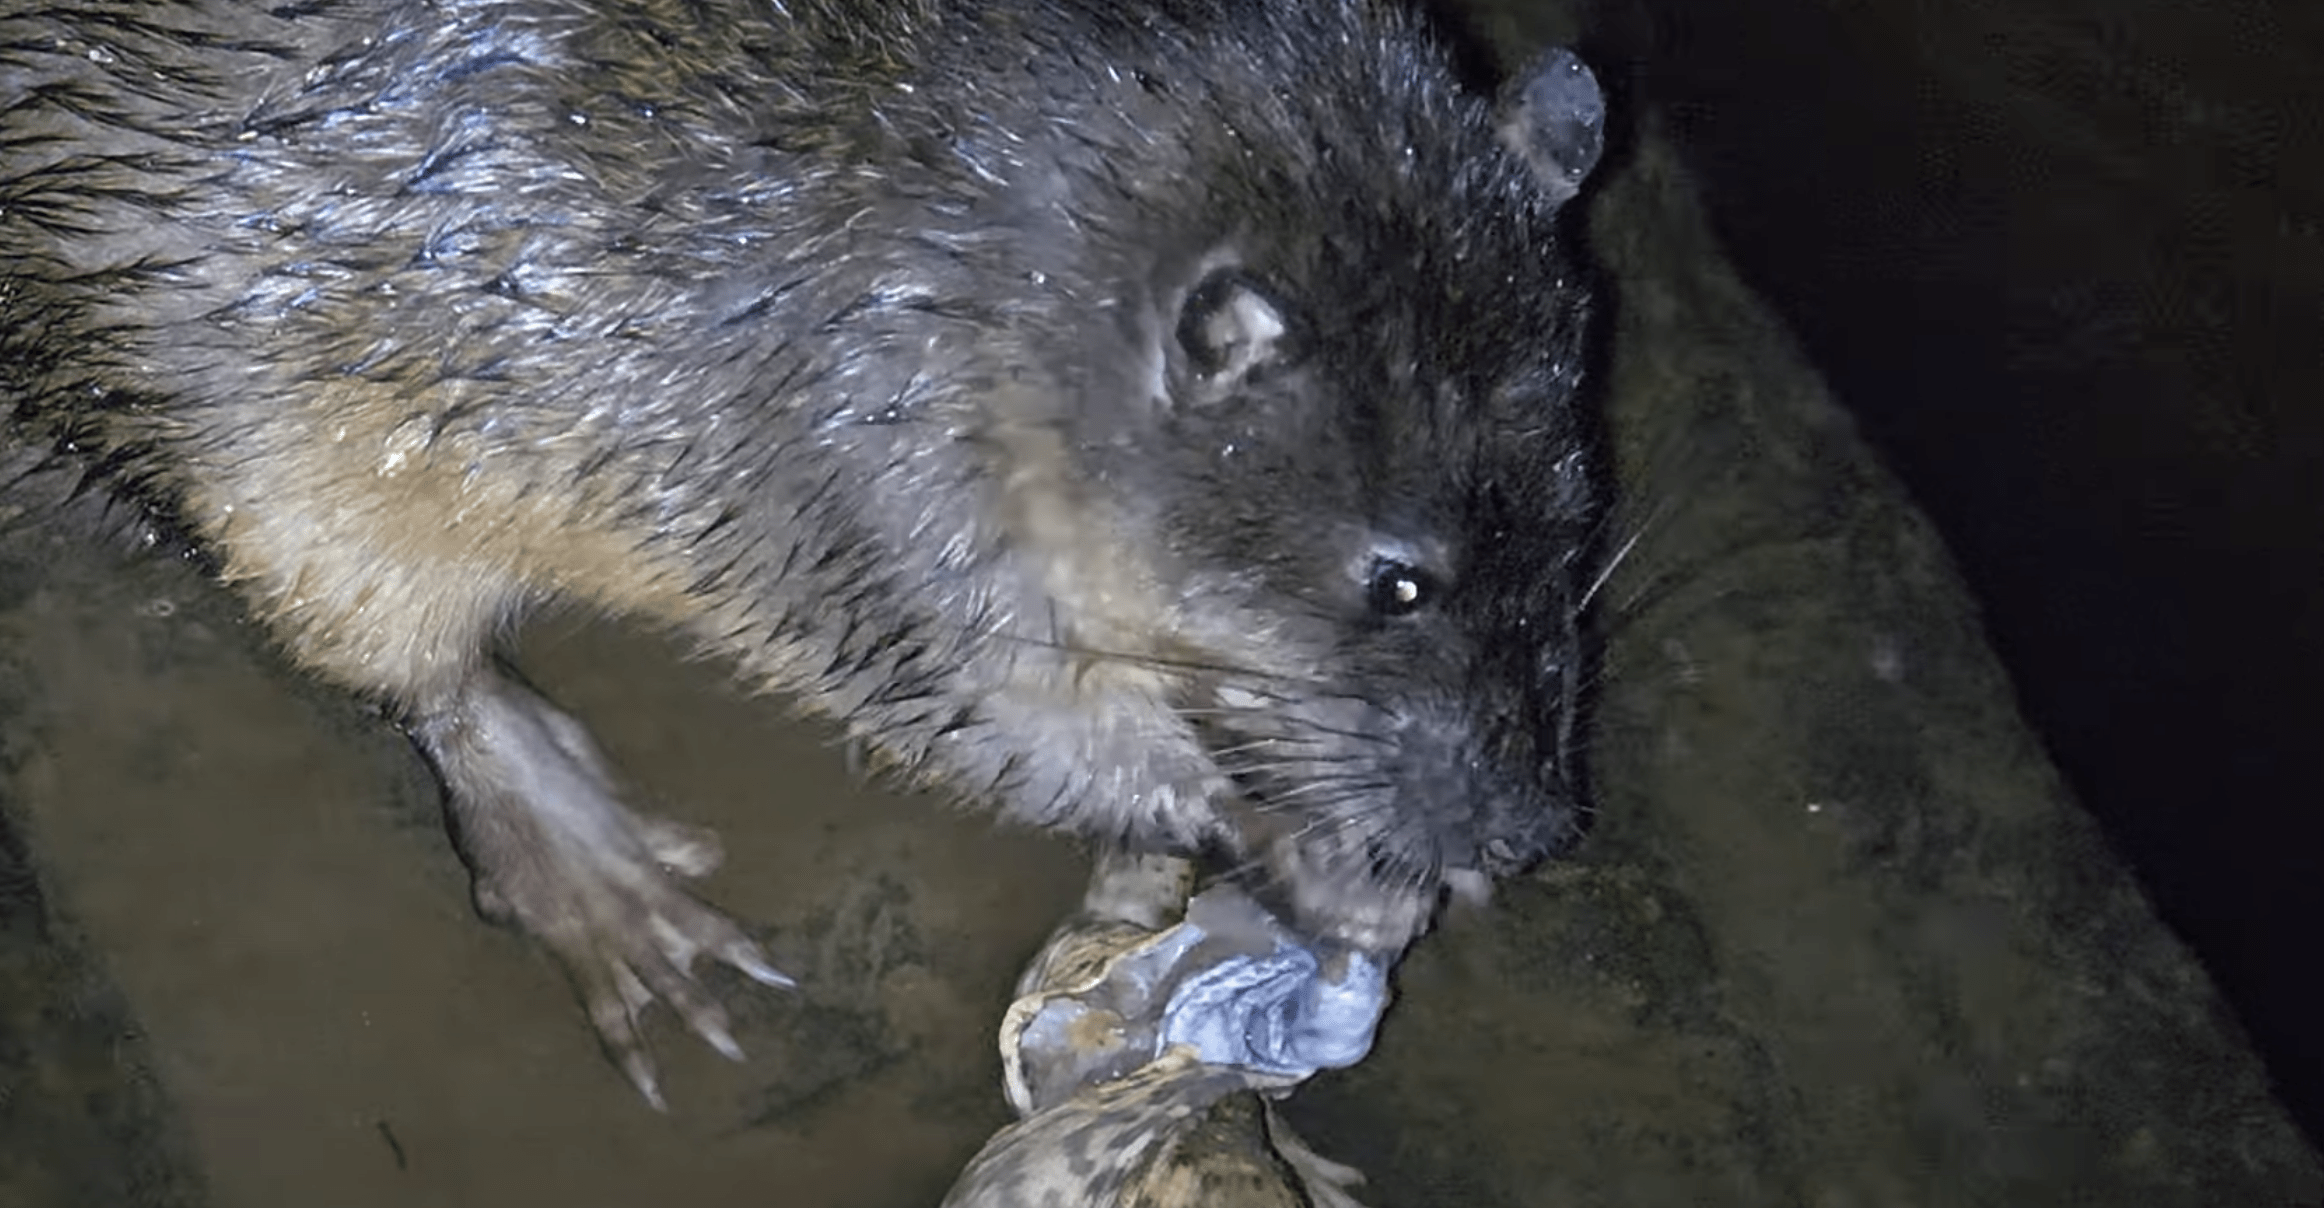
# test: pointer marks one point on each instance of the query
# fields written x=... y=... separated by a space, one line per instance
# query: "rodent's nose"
x=1503 y=856
x=1517 y=844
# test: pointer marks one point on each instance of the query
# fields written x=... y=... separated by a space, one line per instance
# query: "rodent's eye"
x=1399 y=589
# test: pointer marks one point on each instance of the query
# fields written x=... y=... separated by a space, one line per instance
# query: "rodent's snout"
x=1359 y=820
x=1521 y=830
x=1507 y=854
x=1374 y=877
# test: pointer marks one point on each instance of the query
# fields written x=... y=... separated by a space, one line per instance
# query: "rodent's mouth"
x=1332 y=884
x=1354 y=906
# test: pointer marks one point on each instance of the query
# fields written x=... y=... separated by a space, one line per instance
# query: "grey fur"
x=853 y=341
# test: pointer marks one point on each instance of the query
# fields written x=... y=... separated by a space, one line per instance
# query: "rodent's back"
x=558 y=273
x=534 y=220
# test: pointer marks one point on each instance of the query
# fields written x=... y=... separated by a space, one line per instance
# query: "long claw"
x=745 y=957
x=557 y=853
x=640 y=1073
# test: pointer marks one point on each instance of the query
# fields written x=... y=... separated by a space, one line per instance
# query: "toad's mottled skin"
x=1104 y=1120
x=1158 y=423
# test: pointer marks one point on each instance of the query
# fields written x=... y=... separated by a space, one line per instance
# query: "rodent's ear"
x=1229 y=329
x=1554 y=117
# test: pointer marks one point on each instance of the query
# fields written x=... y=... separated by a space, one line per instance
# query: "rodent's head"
x=1377 y=497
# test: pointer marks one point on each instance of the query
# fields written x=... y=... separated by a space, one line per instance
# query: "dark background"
x=2063 y=261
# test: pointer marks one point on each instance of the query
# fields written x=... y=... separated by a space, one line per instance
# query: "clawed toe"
x=645 y=959
x=556 y=853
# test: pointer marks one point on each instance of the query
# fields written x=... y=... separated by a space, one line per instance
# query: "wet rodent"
x=1160 y=423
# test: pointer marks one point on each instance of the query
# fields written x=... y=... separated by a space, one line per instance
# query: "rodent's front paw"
x=556 y=853
x=628 y=934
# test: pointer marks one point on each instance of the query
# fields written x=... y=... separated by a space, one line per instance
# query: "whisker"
x=1147 y=660
x=1244 y=869
x=1287 y=720
x=1332 y=809
x=1253 y=745
x=1262 y=769
x=1353 y=787
x=1318 y=727
x=1325 y=824
x=1282 y=740
x=1326 y=760
x=1620 y=555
